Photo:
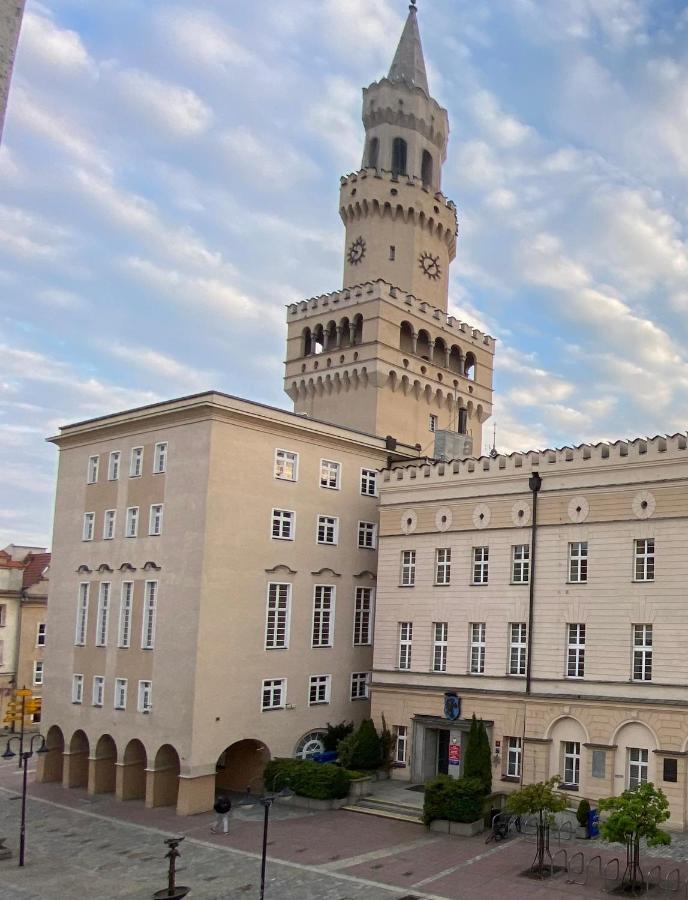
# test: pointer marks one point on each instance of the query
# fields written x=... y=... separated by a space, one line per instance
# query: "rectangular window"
x=93 y=464
x=518 y=648
x=443 y=565
x=283 y=521
x=77 y=688
x=98 y=690
x=670 y=770
x=40 y=635
x=3 y=615
x=145 y=700
x=136 y=462
x=323 y=615
x=359 y=686
x=571 y=760
x=319 y=689
x=514 y=753
x=405 y=642
x=81 y=615
x=644 y=559
x=578 y=562
x=274 y=693
x=87 y=533
x=109 y=524
x=637 y=767
x=477 y=648
x=125 y=606
x=38 y=671
x=277 y=617
x=113 y=465
x=575 y=651
x=330 y=473
x=286 y=465
x=132 y=522
x=103 y=614
x=36 y=716
x=328 y=527
x=439 y=646
x=367 y=535
x=481 y=557
x=120 y=693
x=642 y=653
x=155 y=519
x=432 y=423
x=369 y=482
x=150 y=602
x=400 y=748
x=408 y=568
x=363 y=617
x=599 y=763
x=520 y=564
x=160 y=458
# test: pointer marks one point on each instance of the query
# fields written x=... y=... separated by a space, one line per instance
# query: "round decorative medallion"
x=481 y=515
x=578 y=509
x=409 y=520
x=443 y=518
x=430 y=265
x=356 y=251
x=644 y=504
x=520 y=512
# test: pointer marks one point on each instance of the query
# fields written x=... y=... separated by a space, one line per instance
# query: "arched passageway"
x=103 y=768
x=51 y=763
x=131 y=772
x=162 y=785
x=240 y=765
x=75 y=771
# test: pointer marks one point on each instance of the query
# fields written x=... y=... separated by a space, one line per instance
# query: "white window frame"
x=364 y=614
x=323 y=689
x=514 y=756
x=407 y=573
x=328 y=524
x=103 y=615
x=286 y=460
x=642 y=642
x=359 y=686
x=443 y=565
x=81 y=627
x=368 y=482
x=571 y=761
x=277 y=610
x=144 y=699
x=644 y=559
x=98 y=690
x=121 y=686
x=367 y=535
x=578 y=562
x=478 y=636
x=322 y=626
x=77 y=688
x=405 y=654
x=576 y=633
x=114 y=465
x=440 y=633
x=155 y=519
x=41 y=631
x=38 y=671
x=518 y=648
x=481 y=565
x=3 y=615
x=126 y=611
x=136 y=462
x=160 y=458
x=109 y=524
x=282 y=518
x=277 y=688
x=433 y=423
x=330 y=474
x=638 y=766
x=520 y=563
x=150 y=612
x=401 y=744
x=88 y=527
x=92 y=471
x=132 y=520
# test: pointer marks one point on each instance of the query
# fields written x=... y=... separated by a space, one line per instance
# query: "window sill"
x=360 y=547
x=515 y=675
x=319 y=703
x=478 y=584
x=273 y=709
x=642 y=581
x=356 y=699
x=276 y=537
x=519 y=583
x=320 y=647
x=441 y=584
x=576 y=583
x=398 y=765
x=574 y=788
x=512 y=779
x=406 y=585
x=325 y=544
x=329 y=487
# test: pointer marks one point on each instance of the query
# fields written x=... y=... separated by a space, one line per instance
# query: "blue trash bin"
x=593 y=823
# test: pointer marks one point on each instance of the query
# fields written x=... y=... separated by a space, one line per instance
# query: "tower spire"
x=408 y=64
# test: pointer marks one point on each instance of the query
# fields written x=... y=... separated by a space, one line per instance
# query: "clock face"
x=430 y=265
x=356 y=251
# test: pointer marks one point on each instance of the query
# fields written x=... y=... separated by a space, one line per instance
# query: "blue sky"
x=169 y=182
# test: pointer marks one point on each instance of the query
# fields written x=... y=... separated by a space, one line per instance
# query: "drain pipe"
x=534 y=483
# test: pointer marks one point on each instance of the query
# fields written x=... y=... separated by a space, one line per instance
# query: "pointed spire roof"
x=408 y=64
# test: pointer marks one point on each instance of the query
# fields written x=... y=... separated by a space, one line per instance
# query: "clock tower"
x=382 y=355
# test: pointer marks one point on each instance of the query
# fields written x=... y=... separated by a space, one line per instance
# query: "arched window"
x=423 y=345
x=373 y=152
x=469 y=366
x=306 y=346
x=399 y=157
x=426 y=169
x=406 y=338
x=463 y=420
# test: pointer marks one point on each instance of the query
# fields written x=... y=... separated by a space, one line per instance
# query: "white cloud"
x=175 y=109
x=160 y=365
x=59 y=49
x=270 y=160
x=501 y=128
x=335 y=120
x=204 y=39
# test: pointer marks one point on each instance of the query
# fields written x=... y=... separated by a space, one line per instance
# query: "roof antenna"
x=412 y=7
x=493 y=451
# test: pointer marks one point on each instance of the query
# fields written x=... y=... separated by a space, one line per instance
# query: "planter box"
x=581 y=832
x=361 y=787
x=463 y=829
x=317 y=805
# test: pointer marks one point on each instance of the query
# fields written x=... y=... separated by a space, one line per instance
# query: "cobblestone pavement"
x=79 y=845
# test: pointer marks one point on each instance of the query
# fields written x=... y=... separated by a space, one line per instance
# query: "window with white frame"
x=638 y=763
x=578 y=562
x=323 y=615
x=113 y=465
x=93 y=465
x=77 y=688
x=443 y=565
x=109 y=519
x=363 y=617
x=155 y=519
x=520 y=564
x=433 y=423
x=40 y=634
x=327 y=530
x=125 y=612
x=38 y=671
x=481 y=559
x=150 y=602
x=3 y=615
x=319 y=689
x=286 y=465
x=103 y=614
x=571 y=762
x=439 y=646
x=145 y=699
x=87 y=532
x=136 y=462
x=132 y=522
x=408 y=568
x=330 y=474
x=81 y=615
x=120 y=693
x=277 y=617
x=478 y=630
x=642 y=653
x=518 y=648
x=400 y=746
x=575 y=650
x=367 y=535
x=644 y=559
x=405 y=644
x=359 y=685
x=98 y=690
x=283 y=521
x=274 y=693
x=369 y=482
x=514 y=754
x=160 y=458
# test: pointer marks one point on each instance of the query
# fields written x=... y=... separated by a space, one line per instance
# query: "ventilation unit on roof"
x=451 y=445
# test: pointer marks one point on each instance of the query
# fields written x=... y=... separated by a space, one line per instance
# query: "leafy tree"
x=362 y=749
x=485 y=758
x=336 y=733
x=478 y=757
x=542 y=801
x=386 y=746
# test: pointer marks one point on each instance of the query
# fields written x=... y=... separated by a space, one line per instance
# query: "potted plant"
x=582 y=816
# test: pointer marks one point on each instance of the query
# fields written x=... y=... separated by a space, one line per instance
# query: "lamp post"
x=25 y=756
x=250 y=800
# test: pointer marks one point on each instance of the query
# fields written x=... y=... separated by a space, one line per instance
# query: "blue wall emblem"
x=452 y=707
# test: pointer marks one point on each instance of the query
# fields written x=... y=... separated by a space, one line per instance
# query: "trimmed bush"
x=336 y=733
x=319 y=781
x=582 y=813
x=455 y=799
x=478 y=757
x=361 y=750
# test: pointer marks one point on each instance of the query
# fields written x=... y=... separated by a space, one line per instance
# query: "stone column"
x=196 y=795
x=447 y=353
x=75 y=769
x=339 y=336
x=161 y=787
x=101 y=775
x=414 y=342
x=352 y=333
x=130 y=780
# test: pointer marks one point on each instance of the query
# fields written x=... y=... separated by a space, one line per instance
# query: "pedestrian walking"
x=222 y=807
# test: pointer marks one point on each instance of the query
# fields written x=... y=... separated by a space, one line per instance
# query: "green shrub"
x=582 y=813
x=319 y=781
x=336 y=733
x=478 y=757
x=362 y=749
x=456 y=799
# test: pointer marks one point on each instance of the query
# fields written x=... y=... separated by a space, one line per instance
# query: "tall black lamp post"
x=265 y=800
x=25 y=756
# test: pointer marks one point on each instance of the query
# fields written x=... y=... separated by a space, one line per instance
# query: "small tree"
x=336 y=733
x=485 y=758
x=386 y=746
x=542 y=801
x=471 y=760
x=582 y=813
x=634 y=815
x=362 y=749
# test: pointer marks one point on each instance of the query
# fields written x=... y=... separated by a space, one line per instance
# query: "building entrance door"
x=442 y=752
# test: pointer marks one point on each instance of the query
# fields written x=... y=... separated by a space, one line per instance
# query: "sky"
x=169 y=182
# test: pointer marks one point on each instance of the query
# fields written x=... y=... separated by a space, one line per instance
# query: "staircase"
x=387 y=809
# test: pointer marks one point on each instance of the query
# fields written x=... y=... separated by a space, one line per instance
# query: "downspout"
x=534 y=483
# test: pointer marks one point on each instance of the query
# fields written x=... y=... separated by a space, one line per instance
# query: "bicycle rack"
x=553 y=858
x=568 y=828
x=606 y=876
x=668 y=889
x=657 y=871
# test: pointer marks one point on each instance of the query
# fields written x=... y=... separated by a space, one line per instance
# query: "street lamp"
x=25 y=756
x=250 y=800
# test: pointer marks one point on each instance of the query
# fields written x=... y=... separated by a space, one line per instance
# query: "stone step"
x=384 y=814
x=389 y=809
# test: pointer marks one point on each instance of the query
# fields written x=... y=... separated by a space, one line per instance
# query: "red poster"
x=454 y=754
